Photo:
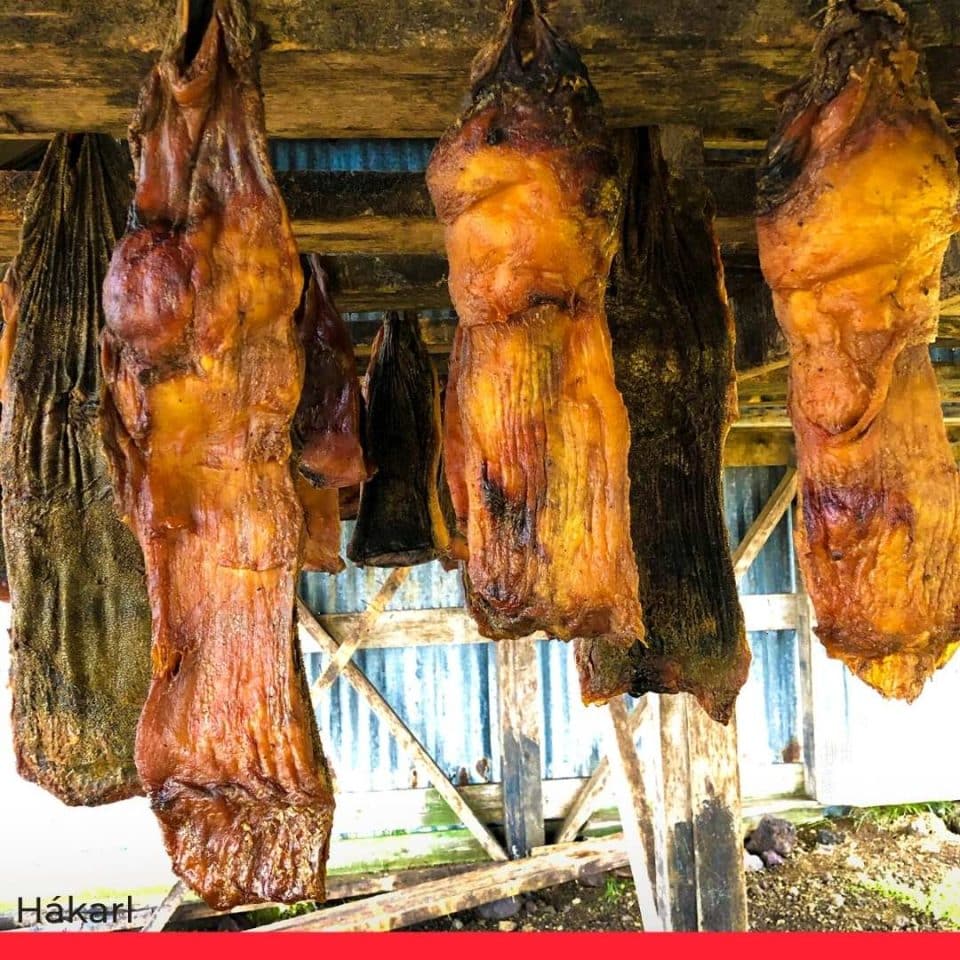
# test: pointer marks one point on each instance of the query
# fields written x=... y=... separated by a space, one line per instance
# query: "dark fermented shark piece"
x=400 y=522
x=205 y=370
x=327 y=428
x=80 y=618
x=328 y=425
x=859 y=198
x=673 y=345
x=525 y=184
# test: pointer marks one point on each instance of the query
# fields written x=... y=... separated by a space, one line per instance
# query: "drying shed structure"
x=464 y=774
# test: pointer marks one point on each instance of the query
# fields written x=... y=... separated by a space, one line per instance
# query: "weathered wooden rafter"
x=400 y=67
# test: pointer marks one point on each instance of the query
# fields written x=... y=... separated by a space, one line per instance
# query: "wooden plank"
x=713 y=779
x=769 y=611
x=167 y=908
x=344 y=212
x=437 y=898
x=763 y=369
x=677 y=814
x=401 y=67
x=636 y=807
x=385 y=281
x=596 y=787
x=518 y=685
x=765 y=523
x=338 y=888
x=427 y=765
x=453 y=625
x=768 y=781
x=368 y=619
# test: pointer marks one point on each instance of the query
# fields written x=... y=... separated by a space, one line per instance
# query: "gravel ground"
x=896 y=874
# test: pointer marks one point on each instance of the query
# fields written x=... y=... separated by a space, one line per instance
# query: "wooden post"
x=701 y=810
x=638 y=796
x=519 y=695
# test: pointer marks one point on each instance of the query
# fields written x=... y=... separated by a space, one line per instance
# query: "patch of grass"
x=947 y=810
x=614 y=889
x=942 y=902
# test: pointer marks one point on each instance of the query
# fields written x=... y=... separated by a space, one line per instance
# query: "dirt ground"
x=883 y=869
x=876 y=872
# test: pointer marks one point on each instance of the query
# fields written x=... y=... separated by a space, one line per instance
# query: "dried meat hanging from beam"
x=328 y=424
x=858 y=199
x=205 y=370
x=526 y=187
x=399 y=520
x=673 y=340
x=80 y=617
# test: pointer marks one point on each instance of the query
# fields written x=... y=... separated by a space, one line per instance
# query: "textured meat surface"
x=80 y=619
x=205 y=369
x=526 y=187
x=673 y=346
x=328 y=426
x=859 y=197
x=399 y=520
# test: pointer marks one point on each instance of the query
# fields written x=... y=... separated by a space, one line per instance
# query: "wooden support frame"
x=519 y=698
x=368 y=619
x=591 y=792
x=401 y=733
x=766 y=522
x=402 y=69
x=637 y=801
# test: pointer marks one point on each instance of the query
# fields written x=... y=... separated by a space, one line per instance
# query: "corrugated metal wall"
x=448 y=695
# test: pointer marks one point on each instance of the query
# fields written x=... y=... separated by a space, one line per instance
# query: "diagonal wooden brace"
x=398 y=576
x=313 y=631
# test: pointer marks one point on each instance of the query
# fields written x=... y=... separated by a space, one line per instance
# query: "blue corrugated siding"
x=771 y=688
x=448 y=695
x=375 y=156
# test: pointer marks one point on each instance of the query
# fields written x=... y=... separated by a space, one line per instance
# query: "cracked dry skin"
x=858 y=199
x=399 y=521
x=80 y=616
x=205 y=369
x=327 y=427
x=673 y=339
x=525 y=185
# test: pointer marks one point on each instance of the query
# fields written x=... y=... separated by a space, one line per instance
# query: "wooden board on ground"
x=437 y=898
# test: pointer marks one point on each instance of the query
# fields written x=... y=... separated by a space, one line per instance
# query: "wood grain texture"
x=358 y=680
x=518 y=672
x=398 y=67
x=438 y=898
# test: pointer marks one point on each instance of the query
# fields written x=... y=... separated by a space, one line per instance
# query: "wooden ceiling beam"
x=400 y=67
